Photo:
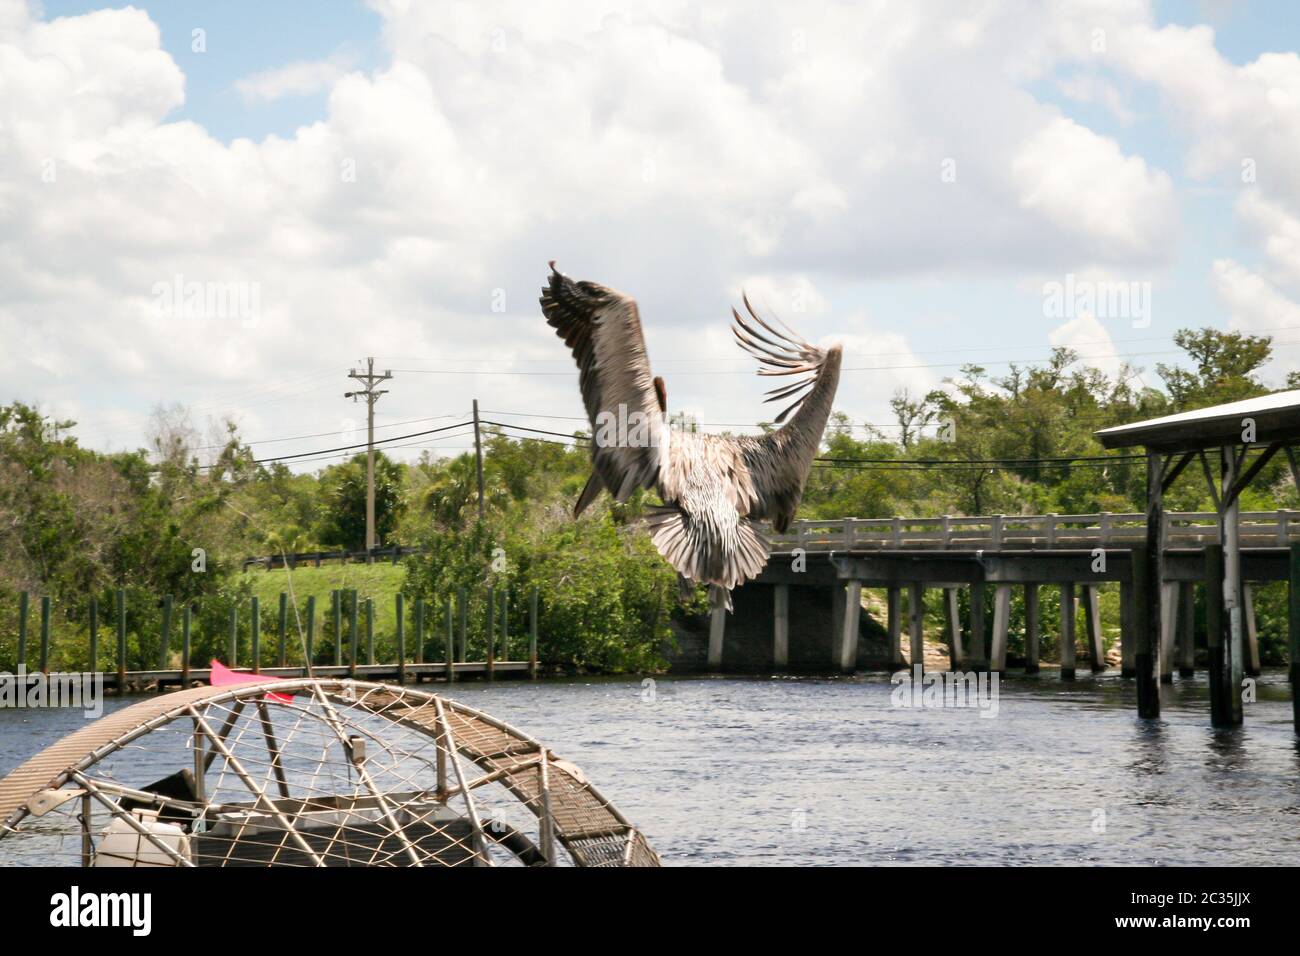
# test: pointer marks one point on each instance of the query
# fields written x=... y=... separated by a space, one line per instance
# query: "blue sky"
x=244 y=38
x=445 y=214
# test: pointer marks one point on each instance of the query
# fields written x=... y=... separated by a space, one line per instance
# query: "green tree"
x=343 y=496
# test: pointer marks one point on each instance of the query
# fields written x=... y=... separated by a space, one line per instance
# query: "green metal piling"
x=45 y=635
x=401 y=641
x=164 y=640
x=257 y=635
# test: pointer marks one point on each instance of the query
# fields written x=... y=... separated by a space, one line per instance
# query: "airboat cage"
x=309 y=772
x=1267 y=424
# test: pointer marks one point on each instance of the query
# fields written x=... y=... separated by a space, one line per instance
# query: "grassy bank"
x=379 y=582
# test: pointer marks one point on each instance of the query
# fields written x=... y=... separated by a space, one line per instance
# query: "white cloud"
x=669 y=151
x=1257 y=306
x=296 y=79
x=1091 y=341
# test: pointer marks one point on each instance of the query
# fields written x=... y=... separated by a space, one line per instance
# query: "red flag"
x=222 y=676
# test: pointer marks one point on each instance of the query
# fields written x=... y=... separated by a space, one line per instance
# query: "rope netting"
x=311 y=773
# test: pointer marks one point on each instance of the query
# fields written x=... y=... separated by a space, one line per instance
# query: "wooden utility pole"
x=370 y=380
x=478 y=458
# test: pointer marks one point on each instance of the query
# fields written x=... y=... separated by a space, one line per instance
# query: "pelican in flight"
x=715 y=488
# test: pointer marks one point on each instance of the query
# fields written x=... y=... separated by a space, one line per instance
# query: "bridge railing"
x=1181 y=529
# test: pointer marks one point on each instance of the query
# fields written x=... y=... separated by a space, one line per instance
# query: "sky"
x=228 y=206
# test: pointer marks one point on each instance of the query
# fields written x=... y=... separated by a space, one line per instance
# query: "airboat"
x=308 y=772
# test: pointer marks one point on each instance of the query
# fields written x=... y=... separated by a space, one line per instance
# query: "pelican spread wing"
x=776 y=465
x=602 y=328
x=715 y=488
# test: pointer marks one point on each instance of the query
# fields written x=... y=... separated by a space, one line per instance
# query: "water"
x=805 y=771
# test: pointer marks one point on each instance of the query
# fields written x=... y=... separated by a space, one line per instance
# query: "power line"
x=340 y=448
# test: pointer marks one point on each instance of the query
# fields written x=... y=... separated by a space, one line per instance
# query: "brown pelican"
x=715 y=488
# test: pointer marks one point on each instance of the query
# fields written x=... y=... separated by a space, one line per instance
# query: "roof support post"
x=1127 y=637
x=1293 y=633
x=1147 y=579
x=1230 y=533
x=1214 y=633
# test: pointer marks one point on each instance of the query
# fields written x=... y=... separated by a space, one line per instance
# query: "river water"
x=805 y=771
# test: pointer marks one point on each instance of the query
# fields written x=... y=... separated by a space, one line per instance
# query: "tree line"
x=76 y=523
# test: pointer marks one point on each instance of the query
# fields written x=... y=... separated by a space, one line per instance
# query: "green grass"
x=379 y=582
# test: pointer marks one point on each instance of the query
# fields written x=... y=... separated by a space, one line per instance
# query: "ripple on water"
x=808 y=771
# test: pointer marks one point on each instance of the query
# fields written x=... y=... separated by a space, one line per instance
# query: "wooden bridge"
x=804 y=612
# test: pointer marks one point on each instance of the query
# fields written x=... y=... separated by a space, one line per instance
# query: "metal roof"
x=1276 y=417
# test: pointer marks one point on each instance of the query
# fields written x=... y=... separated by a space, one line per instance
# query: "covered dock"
x=1229 y=444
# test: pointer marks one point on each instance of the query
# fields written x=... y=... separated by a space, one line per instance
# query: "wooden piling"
x=352 y=632
x=1067 y=631
x=1127 y=633
x=370 y=631
x=45 y=635
x=336 y=599
x=916 y=624
x=282 y=630
x=462 y=605
x=451 y=643
x=401 y=641
x=1092 y=622
x=310 y=649
x=505 y=623
x=1146 y=596
x=1032 y=629
x=1187 y=630
x=419 y=631
x=1146 y=631
x=1215 y=632
x=256 y=635
x=491 y=633
x=23 y=600
x=121 y=640
x=532 y=633
x=1168 y=629
x=94 y=635
x=165 y=634
x=185 y=646
x=232 y=644
x=1234 y=645
x=1293 y=633
x=1250 y=662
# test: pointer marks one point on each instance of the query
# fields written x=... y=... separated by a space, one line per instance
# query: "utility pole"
x=478 y=458
x=370 y=380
